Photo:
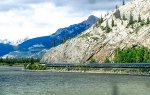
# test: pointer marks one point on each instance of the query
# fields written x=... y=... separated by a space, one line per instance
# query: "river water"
x=13 y=81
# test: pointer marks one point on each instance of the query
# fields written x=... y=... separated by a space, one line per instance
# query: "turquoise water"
x=16 y=82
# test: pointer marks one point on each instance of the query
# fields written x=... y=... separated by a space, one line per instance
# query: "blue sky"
x=33 y=18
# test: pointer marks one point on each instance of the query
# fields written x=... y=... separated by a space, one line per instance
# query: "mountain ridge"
x=28 y=49
x=124 y=27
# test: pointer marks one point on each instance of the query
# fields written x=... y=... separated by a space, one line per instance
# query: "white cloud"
x=39 y=20
x=28 y=18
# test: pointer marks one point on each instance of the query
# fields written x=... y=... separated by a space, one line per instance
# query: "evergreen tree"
x=116 y=7
x=64 y=40
x=131 y=19
x=99 y=22
x=101 y=19
x=107 y=27
x=123 y=2
x=148 y=21
x=96 y=24
x=117 y=14
x=32 y=61
x=1 y=60
x=139 y=18
x=124 y=18
x=132 y=26
x=112 y=23
x=107 y=60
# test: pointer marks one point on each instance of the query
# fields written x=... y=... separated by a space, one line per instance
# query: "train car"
x=104 y=65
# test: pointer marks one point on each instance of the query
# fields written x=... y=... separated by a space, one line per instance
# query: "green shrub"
x=35 y=67
x=93 y=60
x=107 y=60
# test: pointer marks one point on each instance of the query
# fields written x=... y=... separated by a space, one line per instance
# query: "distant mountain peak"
x=91 y=20
x=92 y=17
x=71 y=29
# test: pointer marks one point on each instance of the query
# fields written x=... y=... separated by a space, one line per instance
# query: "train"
x=104 y=65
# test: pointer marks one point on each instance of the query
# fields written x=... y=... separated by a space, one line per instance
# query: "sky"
x=21 y=19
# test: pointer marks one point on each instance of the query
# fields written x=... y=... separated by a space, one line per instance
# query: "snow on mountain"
x=5 y=41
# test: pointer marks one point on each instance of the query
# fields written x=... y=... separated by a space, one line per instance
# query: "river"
x=14 y=81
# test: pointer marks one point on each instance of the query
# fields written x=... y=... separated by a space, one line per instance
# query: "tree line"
x=12 y=61
x=132 y=55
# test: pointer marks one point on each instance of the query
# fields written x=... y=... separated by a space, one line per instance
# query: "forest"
x=13 y=61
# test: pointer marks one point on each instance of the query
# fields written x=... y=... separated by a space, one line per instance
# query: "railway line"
x=108 y=65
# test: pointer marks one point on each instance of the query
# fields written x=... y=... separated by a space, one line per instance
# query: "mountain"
x=59 y=35
x=36 y=47
x=125 y=27
x=5 y=48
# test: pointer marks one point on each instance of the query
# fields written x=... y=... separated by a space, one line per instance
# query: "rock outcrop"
x=126 y=26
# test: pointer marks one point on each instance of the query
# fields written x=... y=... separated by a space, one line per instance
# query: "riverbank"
x=122 y=71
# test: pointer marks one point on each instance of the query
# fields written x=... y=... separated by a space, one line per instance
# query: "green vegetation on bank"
x=27 y=63
x=17 y=61
x=132 y=55
x=35 y=66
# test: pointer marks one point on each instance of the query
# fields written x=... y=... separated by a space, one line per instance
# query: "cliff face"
x=131 y=27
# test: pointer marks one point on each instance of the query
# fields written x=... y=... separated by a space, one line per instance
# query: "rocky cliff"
x=126 y=26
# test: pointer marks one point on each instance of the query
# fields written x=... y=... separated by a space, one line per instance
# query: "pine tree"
x=116 y=7
x=64 y=40
x=96 y=24
x=139 y=18
x=112 y=23
x=101 y=19
x=124 y=18
x=32 y=61
x=131 y=19
x=117 y=14
x=99 y=22
x=107 y=60
x=123 y=2
x=148 y=21
x=107 y=27
x=132 y=26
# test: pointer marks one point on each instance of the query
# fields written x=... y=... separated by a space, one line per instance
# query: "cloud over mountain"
x=33 y=18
